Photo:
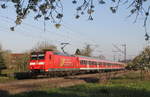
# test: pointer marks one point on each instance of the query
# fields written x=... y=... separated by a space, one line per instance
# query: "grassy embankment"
x=128 y=85
x=6 y=76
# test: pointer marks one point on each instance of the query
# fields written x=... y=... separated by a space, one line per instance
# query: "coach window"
x=95 y=63
x=104 y=63
x=100 y=63
x=85 y=62
x=80 y=61
x=90 y=63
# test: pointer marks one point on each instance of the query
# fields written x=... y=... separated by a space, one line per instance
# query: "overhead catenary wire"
x=33 y=27
x=24 y=31
x=61 y=35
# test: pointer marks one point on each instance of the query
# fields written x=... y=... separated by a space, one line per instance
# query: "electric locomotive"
x=51 y=61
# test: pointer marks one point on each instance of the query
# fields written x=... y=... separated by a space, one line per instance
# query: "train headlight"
x=32 y=63
x=41 y=63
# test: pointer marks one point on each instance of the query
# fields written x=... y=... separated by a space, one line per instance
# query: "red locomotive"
x=50 y=61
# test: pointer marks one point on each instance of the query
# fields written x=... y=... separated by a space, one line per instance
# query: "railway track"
x=35 y=84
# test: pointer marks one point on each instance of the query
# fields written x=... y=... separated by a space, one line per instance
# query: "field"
x=4 y=78
x=128 y=85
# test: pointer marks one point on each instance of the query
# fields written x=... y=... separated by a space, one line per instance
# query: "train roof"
x=97 y=59
x=85 y=57
x=62 y=54
x=80 y=57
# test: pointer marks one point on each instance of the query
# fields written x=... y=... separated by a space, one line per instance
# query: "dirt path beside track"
x=35 y=84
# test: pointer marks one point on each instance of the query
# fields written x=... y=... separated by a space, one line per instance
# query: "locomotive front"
x=37 y=62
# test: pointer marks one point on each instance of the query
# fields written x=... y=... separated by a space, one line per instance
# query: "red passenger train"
x=50 y=61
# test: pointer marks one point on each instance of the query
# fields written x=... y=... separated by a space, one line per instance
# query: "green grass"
x=128 y=85
x=90 y=90
x=4 y=78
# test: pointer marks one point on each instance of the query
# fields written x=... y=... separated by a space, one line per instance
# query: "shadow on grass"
x=4 y=93
x=3 y=75
x=87 y=91
x=86 y=79
x=131 y=77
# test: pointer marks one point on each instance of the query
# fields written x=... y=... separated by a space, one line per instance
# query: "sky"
x=102 y=33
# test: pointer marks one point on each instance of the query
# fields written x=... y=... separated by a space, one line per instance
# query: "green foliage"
x=22 y=62
x=127 y=85
x=7 y=58
x=4 y=79
x=44 y=46
x=52 y=10
x=90 y=90
x=142 y=60
x=2 y=62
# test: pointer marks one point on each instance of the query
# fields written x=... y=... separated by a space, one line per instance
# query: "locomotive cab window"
x=37 y=56
x=41 y=56
x=34 y=57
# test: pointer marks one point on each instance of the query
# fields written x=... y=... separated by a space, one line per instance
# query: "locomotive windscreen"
x=37 y=56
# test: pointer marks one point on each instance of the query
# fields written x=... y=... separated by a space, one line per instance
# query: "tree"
x=7 y=58
x=44 y=46
x=86 y=51
x=2 y=62
x=78 y=52
x=21 y=62
x=142 y=60
x=102 y=57
x=52 y=10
